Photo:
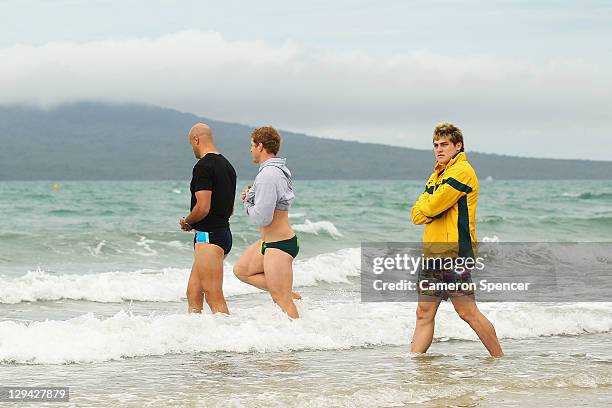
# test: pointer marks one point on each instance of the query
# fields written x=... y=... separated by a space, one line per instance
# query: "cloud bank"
x=508 y=106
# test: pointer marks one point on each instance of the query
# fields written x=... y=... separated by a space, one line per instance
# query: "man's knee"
x=467 y=314
x=194 y=291
x=240 y=270
x=211 y=287
x=213 y=294
x=425 y=313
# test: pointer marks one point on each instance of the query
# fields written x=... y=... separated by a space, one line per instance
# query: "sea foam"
x=165 y=285
x=315 y=228
x=264 y=328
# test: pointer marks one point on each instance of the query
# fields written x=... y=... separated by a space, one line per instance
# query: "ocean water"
x=92 y=296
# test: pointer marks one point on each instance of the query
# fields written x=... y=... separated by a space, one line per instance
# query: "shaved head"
x=201 y=140
x=202 y=132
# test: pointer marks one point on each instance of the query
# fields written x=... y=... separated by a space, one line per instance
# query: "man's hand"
x=184 y=225
x=244 y=193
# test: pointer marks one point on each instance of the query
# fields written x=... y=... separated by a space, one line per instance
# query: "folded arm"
x=261 y=209
x=443 y=198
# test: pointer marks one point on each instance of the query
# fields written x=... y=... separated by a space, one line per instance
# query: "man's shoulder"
x=212 y=160
x=269 y=175
x=218 y=160
x=203 y=163
x=462 y=172
x=224 y=161
x=463 y=167
x=270 y=171
x=205 y=167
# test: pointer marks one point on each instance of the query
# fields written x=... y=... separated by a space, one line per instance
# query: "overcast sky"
x=529 y=78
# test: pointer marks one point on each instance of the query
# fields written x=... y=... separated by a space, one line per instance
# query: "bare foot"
x=296 y=296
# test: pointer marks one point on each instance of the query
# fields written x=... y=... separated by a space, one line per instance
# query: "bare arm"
x=202 y=207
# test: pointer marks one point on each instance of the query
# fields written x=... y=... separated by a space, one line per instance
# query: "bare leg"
x=209 y=261
x=466 y=307
x=278 y=267
x=250 y=268
x=195 y=294
x=425 y=323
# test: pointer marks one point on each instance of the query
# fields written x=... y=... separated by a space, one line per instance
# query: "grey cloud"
x=355 y=94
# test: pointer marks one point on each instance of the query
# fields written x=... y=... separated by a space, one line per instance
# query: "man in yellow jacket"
x=448 y=210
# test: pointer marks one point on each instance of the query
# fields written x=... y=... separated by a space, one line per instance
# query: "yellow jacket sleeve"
x=444 y=197
x=417 y=216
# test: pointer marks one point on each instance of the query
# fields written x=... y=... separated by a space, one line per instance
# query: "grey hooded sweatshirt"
x=272 y=189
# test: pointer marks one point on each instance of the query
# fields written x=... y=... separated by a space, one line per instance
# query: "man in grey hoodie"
x=268 y=263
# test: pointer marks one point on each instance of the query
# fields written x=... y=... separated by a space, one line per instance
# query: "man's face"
x=444 y=149
x=256 y=151
x=193 y=142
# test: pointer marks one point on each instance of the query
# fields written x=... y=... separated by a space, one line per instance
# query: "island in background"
x=100 y=141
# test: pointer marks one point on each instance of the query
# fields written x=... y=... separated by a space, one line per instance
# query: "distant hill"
x=96 y=141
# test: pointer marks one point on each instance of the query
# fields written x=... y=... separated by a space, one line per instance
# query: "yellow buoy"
x=56 y=187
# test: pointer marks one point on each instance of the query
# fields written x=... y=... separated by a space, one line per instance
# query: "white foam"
x=177 y=244
x=527 y=320
x=369 y=395
x=144 y=244
x=264 y=329
x=97 y=249
x=166 y=285
x=296 y=215
x=310 y=227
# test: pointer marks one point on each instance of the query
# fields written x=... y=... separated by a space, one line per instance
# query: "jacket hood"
x=279 y=162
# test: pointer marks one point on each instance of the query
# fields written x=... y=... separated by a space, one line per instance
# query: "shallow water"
x=454 y=373
x=92 y=297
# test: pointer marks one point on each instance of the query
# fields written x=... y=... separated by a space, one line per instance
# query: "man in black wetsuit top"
x=213 y=189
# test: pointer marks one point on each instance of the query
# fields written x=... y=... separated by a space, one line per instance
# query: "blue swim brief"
x=221 y=238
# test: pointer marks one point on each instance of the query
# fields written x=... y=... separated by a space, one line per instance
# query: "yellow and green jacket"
x=448 y=207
